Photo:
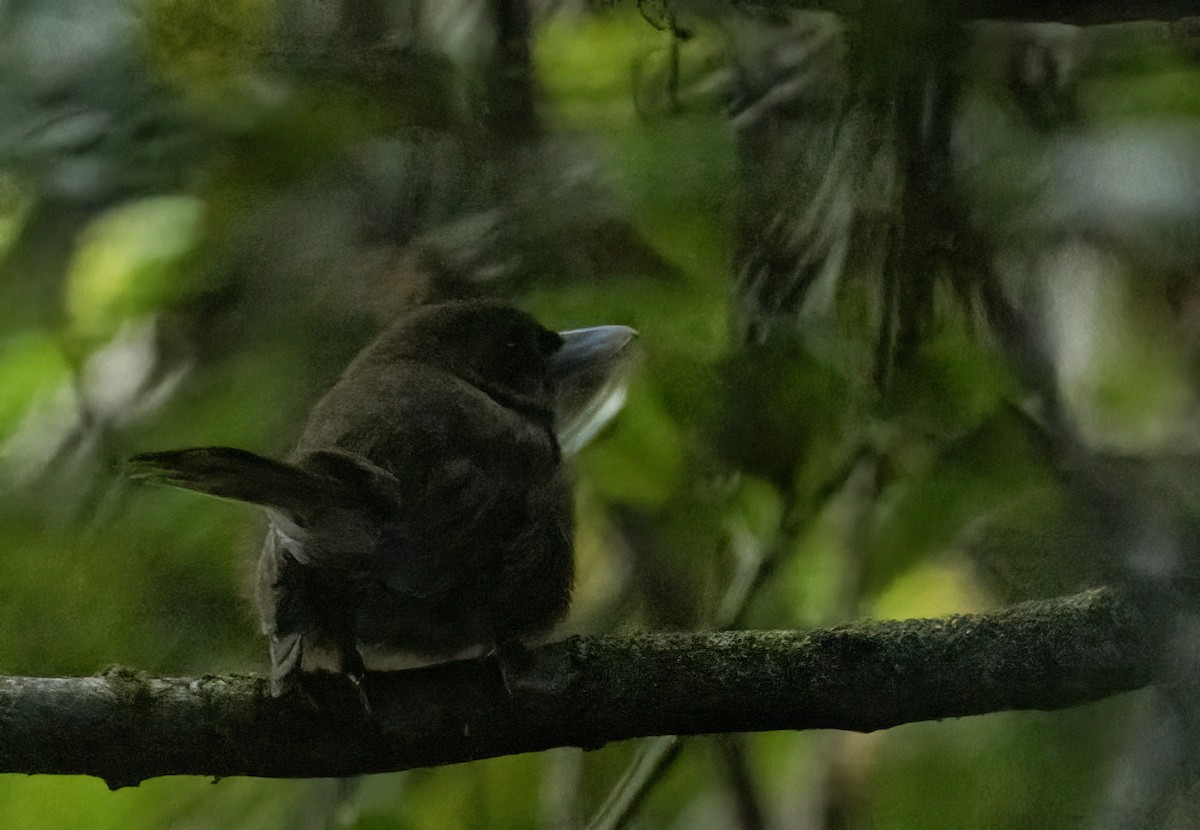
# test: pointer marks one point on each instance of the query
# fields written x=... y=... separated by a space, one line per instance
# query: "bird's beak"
x=589 y=381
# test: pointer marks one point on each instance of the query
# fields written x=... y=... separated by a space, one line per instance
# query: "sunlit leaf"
x=128 y=262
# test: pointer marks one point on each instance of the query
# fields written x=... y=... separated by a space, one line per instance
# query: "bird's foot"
x=356 y=681
x=512 y=657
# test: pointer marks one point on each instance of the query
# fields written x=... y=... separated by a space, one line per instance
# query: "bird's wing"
x=460 y=466
x=465 y=464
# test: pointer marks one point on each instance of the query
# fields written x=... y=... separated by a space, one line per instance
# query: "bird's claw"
x=356 y=680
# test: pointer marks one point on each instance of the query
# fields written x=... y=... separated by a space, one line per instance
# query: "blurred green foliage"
x=265 y=260
x=127 y=263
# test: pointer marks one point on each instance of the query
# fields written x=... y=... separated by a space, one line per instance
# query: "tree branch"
x=1076 y=12
x=584 y=691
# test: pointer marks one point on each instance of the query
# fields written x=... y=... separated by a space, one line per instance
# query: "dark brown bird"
x=426 y=509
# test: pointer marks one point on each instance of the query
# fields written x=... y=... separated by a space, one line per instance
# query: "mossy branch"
x=125 y=727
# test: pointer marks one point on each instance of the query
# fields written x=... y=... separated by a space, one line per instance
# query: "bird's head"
x=576 y=378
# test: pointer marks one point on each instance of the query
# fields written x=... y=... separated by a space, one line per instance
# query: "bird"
x=426 y=511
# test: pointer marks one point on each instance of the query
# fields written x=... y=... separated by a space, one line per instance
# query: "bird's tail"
x=230 y=473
